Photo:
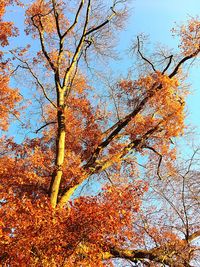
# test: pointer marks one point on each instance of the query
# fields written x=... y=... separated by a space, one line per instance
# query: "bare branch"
x=160 y=159
x=43 y=126
x=75 y=20
x=193 y=236
x=107 y=176
x=183 y=195
x=171 y=204
x=17 y=117
x=114 y=13
x=56 y=15
x=41 y=35
x=155 y=255
x=79 y=46
x=168 y=65
x=182 y=61
x=142 y=56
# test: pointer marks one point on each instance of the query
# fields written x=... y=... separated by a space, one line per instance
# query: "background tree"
x=81 y=139
x=169 y=218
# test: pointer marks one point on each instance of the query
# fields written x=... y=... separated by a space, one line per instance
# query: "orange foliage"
x=102 y=221
x=189 y=35
x=8 y=99
x=41 y=14
x=7 y=29
x=165 y=110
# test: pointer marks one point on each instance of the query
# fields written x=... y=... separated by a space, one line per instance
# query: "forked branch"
x=182 y=61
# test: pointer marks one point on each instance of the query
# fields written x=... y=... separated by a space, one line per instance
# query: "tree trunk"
x=60 y=150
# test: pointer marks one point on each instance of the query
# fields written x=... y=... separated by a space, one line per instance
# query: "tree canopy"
x=97 y=180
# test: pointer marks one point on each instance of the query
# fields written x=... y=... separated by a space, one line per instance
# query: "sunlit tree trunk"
x=60 y=148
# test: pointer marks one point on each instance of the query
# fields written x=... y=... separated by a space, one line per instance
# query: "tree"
x=44 y=222
x=173 y=213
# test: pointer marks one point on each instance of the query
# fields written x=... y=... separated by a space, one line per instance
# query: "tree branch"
x=160 y=159
x=182 y=61
x=193 y=236
x=56 y=15
x=75 y=19
x=41 y=35
x=183 y=196
x=93 y=29
x=79 y=47
x=144 y=58
x=158 y=255
x=168 y=65
x=43 y=126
